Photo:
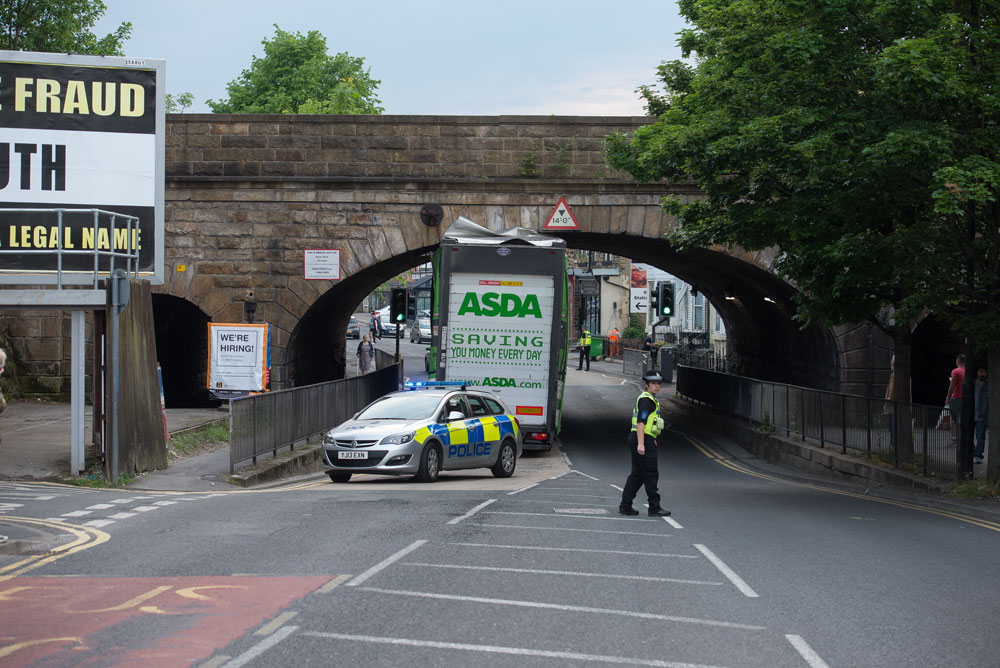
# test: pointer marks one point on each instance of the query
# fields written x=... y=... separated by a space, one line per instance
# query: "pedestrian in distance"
x=584 y=348
x=953 y=402
x=373 y=327
x=646 y=426
x=615 y=339
x=366 y=353
x=982 y=409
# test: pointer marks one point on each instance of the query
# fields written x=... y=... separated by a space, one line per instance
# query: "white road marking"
x=672 y=522
x=550 y=502
x=261 y=647
x=145 y=509
x=566 y=459
x=120 y=501
x=619 y=533
x=539 y=571
x=585 y=475
x=97 y=524
x=215 y=661
x=77 y=513
x=577 y=549
x=803 y=648
x=165 y=503
x=515 y=651
x=386 y=563
x=573 y=496
x=624 y=380
x=472 y=512
x=122 y=516
x=518 y=491
x=556 y=477
x=727 y=571
x=580 y=516
x=566 y=608
x=581 y=511
x=100 y=506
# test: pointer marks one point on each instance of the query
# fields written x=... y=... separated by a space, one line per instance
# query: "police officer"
x=584 y=347
x=646 y=426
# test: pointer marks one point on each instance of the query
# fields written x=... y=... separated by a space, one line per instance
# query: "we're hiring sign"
x=80 y=132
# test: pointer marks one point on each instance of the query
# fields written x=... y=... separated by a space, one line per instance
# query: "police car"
x=422 y=430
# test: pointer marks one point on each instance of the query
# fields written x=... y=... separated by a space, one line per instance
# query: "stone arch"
x=181 y=350
x=317 y=345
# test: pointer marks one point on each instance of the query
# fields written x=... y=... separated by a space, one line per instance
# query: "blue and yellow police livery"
x=421 y=431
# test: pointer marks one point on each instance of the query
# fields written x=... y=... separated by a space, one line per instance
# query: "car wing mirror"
x=455 y=415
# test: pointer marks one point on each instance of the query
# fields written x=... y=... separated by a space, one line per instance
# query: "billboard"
x=79 y=133
x=639 y=291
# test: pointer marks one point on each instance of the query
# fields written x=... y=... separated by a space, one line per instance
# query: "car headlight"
x=399 y=439
x=328 y=439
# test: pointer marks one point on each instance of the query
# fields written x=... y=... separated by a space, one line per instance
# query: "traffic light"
x=654 y=301
x=397 y=305
x=665 y=299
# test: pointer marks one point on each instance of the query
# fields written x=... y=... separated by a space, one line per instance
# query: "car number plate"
x=352 y=455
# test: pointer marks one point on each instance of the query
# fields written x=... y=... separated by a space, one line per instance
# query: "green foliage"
x=977 y=489
x=296 y=75
x=636 y=329
x=206 y=437
x=561 y=151
x=179 y=103
x=58 y=26
x=529 y=165
x=859 y=136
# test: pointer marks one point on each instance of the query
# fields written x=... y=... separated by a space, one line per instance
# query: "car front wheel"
x=339 y=477
x=506 y=460
x=430 y=463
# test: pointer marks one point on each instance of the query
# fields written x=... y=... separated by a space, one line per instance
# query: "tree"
x=859 y=136
x=58 y=26
x=179 y=103
x=296 y=75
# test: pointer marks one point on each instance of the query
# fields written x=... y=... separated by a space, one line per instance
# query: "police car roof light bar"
x=417 y=384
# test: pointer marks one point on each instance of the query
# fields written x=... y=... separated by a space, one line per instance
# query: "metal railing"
x=636 y=362
x=130 y=256
x=902 y=434
x=266 y=423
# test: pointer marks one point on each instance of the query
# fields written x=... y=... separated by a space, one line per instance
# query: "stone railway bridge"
x=245 y=195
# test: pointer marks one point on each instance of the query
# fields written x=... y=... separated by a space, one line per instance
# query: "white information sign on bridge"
x=321 y=264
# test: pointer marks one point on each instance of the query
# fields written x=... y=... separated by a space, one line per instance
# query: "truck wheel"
x=339 y=477
x=430 y=463
x=506 y=460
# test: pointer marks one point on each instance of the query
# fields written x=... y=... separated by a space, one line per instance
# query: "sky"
x=436 y=57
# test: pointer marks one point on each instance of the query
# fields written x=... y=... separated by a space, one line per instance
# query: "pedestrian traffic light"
x=397 y=305
x=665 y=299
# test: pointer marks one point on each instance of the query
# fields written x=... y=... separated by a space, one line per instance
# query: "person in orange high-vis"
x=615 y=338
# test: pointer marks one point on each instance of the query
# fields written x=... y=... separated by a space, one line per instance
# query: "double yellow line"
x=715 y=456
x=83 y=538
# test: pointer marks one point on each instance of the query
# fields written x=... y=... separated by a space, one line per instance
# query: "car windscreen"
x=412 y=406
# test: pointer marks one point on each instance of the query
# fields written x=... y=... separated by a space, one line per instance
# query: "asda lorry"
x=500 y=308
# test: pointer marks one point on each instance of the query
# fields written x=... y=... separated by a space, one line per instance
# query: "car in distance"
x=420 y=332
x=423 y=430
x=353 y=328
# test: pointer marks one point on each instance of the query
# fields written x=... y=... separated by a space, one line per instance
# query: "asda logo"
x=500 y=304
x=496 y=381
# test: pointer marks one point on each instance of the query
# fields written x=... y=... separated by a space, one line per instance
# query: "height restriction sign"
x=561 y=218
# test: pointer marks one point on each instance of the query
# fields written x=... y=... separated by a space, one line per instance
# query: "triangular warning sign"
x=561 y=218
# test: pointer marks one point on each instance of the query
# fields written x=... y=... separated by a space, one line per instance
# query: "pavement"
x=36 y=437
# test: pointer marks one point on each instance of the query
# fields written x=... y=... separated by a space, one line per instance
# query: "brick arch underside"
x=317 y=346
x=181 y=350
x=763 y=340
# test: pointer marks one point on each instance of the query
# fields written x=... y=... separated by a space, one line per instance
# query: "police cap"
x=653 y=376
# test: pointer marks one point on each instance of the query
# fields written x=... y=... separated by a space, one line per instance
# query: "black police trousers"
x=644 y=473
x=584 y=355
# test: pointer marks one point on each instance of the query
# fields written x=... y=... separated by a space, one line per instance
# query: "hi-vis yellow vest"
x=654 y=423
x=585 y=339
